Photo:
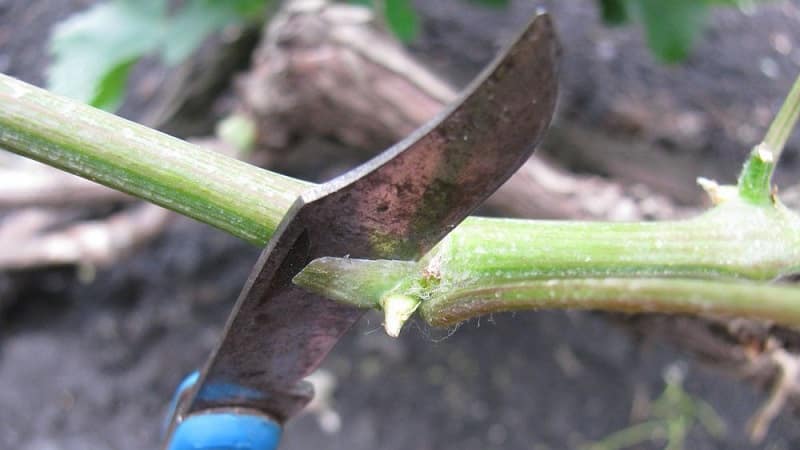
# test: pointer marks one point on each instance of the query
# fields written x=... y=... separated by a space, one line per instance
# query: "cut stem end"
x=397 y=309
x=756 y=178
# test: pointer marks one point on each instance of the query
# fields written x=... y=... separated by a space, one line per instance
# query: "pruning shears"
x=396 y=206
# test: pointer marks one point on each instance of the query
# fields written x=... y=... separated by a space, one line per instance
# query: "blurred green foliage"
x=402 y=19
x=670 y=26
x=94 y=50
x=399 y=15
x=672 y=417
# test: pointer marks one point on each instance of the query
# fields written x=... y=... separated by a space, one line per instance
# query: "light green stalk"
x=494 y=265
x=237 y=197
x=755 y=180
x=690 y=266
x=484 y=265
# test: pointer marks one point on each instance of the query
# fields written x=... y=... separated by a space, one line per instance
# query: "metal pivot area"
x=396 y=206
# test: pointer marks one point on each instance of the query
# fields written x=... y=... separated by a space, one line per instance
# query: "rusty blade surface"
x=396 y=206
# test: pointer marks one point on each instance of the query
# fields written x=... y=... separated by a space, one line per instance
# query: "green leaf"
x=402 y=19
x=672 y=26
x=111 y=88
x=399 y=15
x=250 y=9
x=93 y=50
x=198 y=19
x=614 y=12
x=192 y=24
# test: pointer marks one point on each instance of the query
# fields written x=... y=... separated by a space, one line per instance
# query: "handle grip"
x=234 y=429
x=223 y=430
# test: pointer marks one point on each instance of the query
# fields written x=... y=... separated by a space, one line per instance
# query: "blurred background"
x=94 y=338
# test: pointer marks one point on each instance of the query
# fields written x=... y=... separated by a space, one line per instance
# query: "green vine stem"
x=690 y=266
x=484 y=265
x=493 y=265
x=627 y=295
x=756 y=178
x=237 y=197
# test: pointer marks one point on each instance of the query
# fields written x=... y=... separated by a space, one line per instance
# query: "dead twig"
x=25 y=243
x=785 y=385
x=50 y=187
x=327 y=69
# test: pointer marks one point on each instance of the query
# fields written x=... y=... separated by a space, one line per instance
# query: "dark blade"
x=396 y=206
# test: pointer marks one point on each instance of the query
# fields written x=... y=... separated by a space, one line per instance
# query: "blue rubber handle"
x=226 y=431
x=221 y=430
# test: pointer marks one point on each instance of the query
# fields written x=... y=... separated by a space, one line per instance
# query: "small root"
x=786 y=384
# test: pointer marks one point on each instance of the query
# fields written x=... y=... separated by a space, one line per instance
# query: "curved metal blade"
x=396 y=206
